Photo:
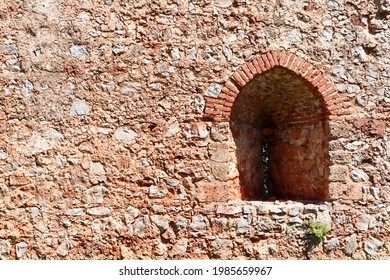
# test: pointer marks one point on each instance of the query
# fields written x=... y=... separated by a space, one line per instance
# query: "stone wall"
x=117 y=127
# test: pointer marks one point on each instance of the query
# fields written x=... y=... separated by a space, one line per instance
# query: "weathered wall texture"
x=118 y=118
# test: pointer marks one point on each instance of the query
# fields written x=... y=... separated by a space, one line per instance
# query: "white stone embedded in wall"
x=78 y=51
x=79 y=108
x=214 y=90
x=125 y=135
x=172 y=129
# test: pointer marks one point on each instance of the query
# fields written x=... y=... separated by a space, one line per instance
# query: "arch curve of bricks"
x=218 y=109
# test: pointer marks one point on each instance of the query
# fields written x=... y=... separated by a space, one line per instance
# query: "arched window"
x=277 y=107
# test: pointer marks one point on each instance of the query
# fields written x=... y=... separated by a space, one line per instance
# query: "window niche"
x=280 y=138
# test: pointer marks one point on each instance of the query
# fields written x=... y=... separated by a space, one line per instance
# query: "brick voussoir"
x=247 y=72
x=323 y=89
x=212 y=112
x=295 y=64
x=305 y=68
x=237 y=78
x=265 y=61
x=228 y=104
x=276 y=56
x=282 y=56
x=223 y=108
x=252 y=68
x=291 y=59
x=284 y=62
x=313 y=75
x=332 y=96
x=232 y=87
x=300 y=66
x=261 y=63
x=270 y=59
x=243 y=76
x=322 y=82
x=257 y=66
x=317 y=79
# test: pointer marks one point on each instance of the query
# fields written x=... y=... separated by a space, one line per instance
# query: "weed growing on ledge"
x=317 y=229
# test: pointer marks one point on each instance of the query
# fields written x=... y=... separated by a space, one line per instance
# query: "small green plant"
x=287 y=230
x=230 y=223
x=317 y=229
x=14 y=239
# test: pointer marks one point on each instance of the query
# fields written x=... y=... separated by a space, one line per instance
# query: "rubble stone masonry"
x=205 y=129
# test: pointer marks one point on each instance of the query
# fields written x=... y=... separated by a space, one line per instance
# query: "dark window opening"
x=266 y=186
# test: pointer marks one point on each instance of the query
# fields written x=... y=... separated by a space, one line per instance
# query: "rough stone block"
x=229 y=209
x=95 y=195
x=363 y=222
x=125 y=134
x=277 y=209
x=97 y=172
x=213 y=91
x=79 y=108
x=63 y=249
x=196 y=130
x=220 y=171
x=332 y=245
x=79 y=51
x=157 y=192
x=350 y=244
x=129 y=88
x=99 y=211
x=359 y=175
x=75 y=212
x=21 y=249
x=180 y=248
x=345 y=191
x=295 y=210
x=219 y=152
x=211 y=191
x=198 y=225
x=338 y=173
x=222 y=248
x=162 y=222
x=372 y=245
x=19 y=180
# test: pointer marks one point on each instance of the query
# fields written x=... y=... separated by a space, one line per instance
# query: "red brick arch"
x=219 y=109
